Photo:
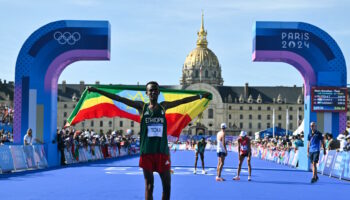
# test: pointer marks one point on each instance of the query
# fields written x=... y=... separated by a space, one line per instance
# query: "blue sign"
x=346 y=172
x=329 y=99
x=18 y=157
x=329 y=162
x=338 y=165
x=6 y=161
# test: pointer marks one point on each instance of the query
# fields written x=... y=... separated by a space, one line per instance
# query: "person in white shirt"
x=29 y=139
x=221 y=151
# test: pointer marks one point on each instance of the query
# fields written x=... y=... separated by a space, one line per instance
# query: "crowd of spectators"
x=6 y=124
x=72 y=140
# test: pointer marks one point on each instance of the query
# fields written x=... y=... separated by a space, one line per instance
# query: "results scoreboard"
x=329 y=99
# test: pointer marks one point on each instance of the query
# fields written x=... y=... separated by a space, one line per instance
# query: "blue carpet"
x=122 y=179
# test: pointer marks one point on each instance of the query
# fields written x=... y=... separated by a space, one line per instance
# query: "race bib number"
x=155 y=130
x=244 y=148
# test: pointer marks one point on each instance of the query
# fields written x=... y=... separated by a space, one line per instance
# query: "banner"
x=6 y=161
x=39 y=156
x=322 y=162
x=295 y=159
x=68 y=156
x=286 y=158
x=338 y=166
x=29 y=156
x=346 y=172
x=291 y=157
x=19 y=161
x=329 y=162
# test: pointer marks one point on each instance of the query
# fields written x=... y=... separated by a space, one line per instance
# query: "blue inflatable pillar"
x=320 y=62
x=41 y=60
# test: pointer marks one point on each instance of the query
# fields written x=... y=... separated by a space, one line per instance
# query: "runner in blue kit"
x=315 y=138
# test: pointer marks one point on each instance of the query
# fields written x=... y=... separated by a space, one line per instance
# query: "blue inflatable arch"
x=319 y=60
x=42 y=58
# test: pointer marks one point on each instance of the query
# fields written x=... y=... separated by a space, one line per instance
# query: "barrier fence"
x=19 y=158
x=90 y=153
x=334 y=163
x=287 y=157
x=15 y=158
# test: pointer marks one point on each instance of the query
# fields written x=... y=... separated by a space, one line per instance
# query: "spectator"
x=343 y=142
x=332 y=143
x=347 y=146
x=29 y=139
x=298 y=142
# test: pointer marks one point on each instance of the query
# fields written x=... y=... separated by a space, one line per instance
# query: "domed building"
x=201 y=64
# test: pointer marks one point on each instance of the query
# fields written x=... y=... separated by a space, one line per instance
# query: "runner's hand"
x=91 y=89
x=206 y=94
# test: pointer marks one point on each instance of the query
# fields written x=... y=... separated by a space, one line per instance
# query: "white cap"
x=223 y=125
x=341 y=137
x=128 y=131
x=243 y=133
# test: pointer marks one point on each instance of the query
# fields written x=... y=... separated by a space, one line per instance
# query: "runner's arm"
x=172 y=104
x=324 y=147
x=249 y=146
x=239 y=146
x=135 y=104
x=224 y=142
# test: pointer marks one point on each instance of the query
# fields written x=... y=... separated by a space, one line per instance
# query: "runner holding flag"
x=154 y=150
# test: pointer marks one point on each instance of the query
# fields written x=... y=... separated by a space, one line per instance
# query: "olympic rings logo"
x=66 y=37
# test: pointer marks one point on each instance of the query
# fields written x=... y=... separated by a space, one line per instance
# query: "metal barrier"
x=19 y=158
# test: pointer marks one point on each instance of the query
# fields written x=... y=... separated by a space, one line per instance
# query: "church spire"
x=202 y=35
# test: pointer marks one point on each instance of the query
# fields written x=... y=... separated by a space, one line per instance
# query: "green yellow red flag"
x=94 y=105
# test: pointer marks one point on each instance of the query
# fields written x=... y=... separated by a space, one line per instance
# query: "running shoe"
x=195 y=171
x=204 y=172
x=219 y=179
x=236 y=178
x=313 y=180
x=249 y=178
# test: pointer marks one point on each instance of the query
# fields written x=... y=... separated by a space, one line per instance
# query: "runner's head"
x=29 y=131
x=152 y=90
x=223 y=126
x=243 y=134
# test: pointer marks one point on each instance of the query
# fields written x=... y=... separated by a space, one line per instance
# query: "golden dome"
x=201 y=64
x=201 y=57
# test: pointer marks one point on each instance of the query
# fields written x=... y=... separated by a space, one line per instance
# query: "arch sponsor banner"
x=29 y=156
x=18 y=157
x=6 y=161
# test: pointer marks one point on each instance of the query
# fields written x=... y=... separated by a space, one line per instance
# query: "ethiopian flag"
x=94 y=105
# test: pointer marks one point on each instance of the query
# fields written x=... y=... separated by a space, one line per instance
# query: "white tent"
x=299 y=129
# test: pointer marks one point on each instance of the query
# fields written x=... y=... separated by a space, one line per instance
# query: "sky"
x=150 y=39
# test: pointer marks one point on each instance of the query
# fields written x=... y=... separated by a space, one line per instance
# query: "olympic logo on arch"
x=66 y=37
